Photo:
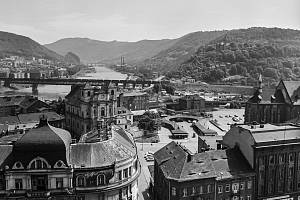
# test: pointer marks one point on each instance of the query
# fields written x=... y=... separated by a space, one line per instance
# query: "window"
x=59 y=183
x=125 y=173
x=249 y=184
x=242 y=186
x=249 y=197
x=227 y=188
x=101 y=179
x=281 y=158
x=235 y=198
x=38 y=163
x=173 y=191
x=18 y=184
x=201 y=190
x=120 y=175
x=80 y=181
x=130 y=171
x=89 y=93
x=209 y=189
x=112 y=92
x=241 y=198
x=193 y=190
x=220 y=189
x=291 y=157
x=184 y=191
x=102 y=111
x=271 y=160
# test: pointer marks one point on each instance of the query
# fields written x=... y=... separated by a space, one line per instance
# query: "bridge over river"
x=34 y=82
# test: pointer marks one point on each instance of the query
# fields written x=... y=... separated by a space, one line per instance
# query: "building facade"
x=281 y=106
x=86 y=106
x=274 y=153
x=134 y=100
x=44 y=164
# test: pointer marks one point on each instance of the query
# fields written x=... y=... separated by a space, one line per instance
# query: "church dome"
x=47 y=142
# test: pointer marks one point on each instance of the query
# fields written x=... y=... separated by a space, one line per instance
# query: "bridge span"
x=67 y=81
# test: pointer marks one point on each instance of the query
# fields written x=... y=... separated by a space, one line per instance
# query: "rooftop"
x=271 y=133
x=130 y=94
x=177 y=163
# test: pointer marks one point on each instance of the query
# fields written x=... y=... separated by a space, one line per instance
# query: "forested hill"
x=274 y=52
x=12 y=44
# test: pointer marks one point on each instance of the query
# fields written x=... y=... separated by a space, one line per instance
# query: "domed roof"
x=45 y=141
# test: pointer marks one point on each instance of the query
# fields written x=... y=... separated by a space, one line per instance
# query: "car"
x=149 y=158
x=221 y=116
x=235 y=115
x=235 y=119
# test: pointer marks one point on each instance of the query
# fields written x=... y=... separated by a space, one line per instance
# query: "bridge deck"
x=66 y=81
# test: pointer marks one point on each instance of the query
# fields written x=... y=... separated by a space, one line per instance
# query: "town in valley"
x=209 y=115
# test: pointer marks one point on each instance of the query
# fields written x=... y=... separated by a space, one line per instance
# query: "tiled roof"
x=6 y=151
x=11 y=100
x=35 y=117
x=178 y=163
x=292 y=87
x=11 y=120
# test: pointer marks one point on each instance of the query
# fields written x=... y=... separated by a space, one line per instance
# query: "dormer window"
x=38 y=163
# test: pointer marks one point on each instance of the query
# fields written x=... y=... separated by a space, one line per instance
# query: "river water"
x=51 y=92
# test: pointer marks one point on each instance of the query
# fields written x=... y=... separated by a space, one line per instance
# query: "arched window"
x=102 y=111
x=88 y=93
x=38 y=163
x=101 y=179
x=80 y=182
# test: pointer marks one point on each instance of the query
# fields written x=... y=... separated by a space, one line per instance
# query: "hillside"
x=273 y=52
x=181 y=50
x=12 y=44
x=110 y=52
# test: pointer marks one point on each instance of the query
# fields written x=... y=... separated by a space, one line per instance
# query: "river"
x=51 y=92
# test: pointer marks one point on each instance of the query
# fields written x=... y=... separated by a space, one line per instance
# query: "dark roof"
x=10 y=120
x=177 y=163
x=35 y=117
x=291 y=87
x=98 y=154
x=11 y=100
x=45 y=141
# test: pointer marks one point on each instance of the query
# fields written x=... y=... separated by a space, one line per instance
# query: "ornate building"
x=87 y=106
x=282 y=106
x=43 y=164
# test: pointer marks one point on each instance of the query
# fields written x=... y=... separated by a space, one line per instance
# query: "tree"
x=149 y=121
x=270 y=72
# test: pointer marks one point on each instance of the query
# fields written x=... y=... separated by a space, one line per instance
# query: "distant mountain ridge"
x=110 y=52
x=13 y=44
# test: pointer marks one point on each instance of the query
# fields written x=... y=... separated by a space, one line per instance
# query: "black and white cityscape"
x=149 y=100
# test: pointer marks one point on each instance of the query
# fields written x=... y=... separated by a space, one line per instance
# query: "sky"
x=47 y=21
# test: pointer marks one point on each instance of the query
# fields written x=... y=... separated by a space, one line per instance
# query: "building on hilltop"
x=44 y=164
x=219 y=174
x=274 y=154
x=281 y=106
